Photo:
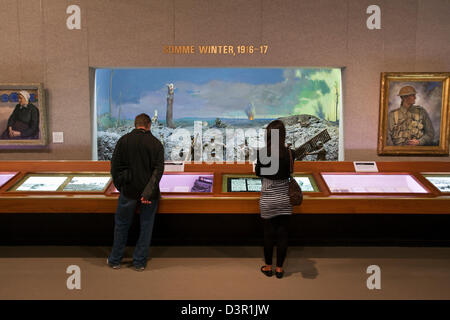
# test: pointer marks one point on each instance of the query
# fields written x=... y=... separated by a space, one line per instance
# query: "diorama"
x=219 y=114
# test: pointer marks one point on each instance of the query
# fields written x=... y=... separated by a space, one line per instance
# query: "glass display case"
x=329 y=187
x=59 y=182
x=252 y=183
x=440 y=181
x=372 y=183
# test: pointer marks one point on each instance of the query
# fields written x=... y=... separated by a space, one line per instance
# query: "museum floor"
x=230 y=273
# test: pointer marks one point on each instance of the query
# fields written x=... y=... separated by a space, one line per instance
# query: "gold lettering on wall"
x=216 y=49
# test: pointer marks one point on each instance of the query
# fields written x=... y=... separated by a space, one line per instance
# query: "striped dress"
x=274 y=200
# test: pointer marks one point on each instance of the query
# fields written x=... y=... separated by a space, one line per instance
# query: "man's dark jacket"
x=137 y=165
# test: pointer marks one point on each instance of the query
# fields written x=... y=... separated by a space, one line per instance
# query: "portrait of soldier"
x=410 y=124
x=23 y=123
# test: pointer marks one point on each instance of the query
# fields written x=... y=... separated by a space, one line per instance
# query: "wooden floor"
x=230 y=273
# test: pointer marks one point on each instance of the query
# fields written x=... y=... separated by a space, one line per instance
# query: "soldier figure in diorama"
x=409 y=125
x=213 y=148
x=321 y=152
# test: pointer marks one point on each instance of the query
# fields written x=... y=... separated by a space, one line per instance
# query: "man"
x=137 y=166
x=409 y=125
x=24 y=121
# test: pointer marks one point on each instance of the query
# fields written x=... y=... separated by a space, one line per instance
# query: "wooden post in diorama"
x=120 y=109
x=169 y=112
x=337 y=99
x=110 y=93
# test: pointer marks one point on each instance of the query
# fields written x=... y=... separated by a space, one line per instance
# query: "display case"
x=329 y=188
x=378 y=183
x=62 y=182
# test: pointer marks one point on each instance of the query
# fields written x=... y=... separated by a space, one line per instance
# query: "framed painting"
x=414 y=113
x=22 y=116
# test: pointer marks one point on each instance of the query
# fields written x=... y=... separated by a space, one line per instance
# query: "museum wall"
x=37 y=47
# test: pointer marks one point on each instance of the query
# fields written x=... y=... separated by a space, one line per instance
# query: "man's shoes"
x=268 y=273
x=279 y=275
x=139 y=268
x=114 y=266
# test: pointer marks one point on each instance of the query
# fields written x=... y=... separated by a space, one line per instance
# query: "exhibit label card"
x=365 y=166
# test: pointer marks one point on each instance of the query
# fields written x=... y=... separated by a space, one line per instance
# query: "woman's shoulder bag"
x=295 y=192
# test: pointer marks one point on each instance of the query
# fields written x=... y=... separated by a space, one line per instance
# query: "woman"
x=274 y=202
x=24 y=121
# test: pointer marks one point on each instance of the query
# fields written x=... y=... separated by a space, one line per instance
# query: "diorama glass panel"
x=87 y=183
x=220 y=113
x=373 y=183
x=5 y=177
x=440 y=181
x=41 y=183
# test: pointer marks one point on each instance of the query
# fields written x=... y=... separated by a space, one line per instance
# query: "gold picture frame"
x=28 y=119
x=414 y=113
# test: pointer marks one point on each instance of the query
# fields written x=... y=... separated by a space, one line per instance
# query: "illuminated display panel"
x=243 y=184
x=41 y=183
x=440 y=181
x=238 y=184
x=185 y=183
x=87 y=183
x=5 y=177
x=247 y=183
x=305 y=183
x=253 y=185
x=372 y=183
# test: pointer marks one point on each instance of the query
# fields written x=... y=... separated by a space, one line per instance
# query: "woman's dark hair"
x=276 y=125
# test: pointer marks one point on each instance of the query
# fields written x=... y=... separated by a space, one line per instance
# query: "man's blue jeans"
x=123 y=219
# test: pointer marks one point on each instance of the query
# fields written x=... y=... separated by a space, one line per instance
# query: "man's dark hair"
x=142 y=120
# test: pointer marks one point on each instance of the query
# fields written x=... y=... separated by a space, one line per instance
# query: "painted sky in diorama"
x=221 y=113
